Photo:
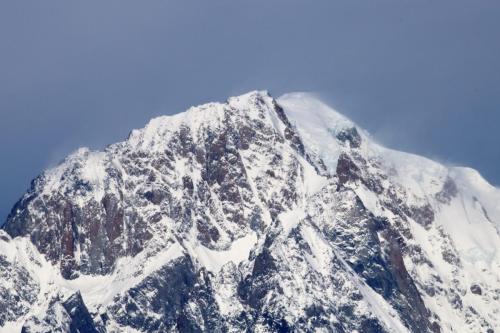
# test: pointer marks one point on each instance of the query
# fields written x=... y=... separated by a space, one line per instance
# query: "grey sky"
x=422 y=76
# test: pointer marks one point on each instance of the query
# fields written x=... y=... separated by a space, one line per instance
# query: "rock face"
x=254 y=215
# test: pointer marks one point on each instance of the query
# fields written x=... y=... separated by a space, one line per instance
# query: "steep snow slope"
x=255 y=215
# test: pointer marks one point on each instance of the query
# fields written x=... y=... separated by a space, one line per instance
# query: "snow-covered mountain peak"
x=257 y=215
x=324 y=131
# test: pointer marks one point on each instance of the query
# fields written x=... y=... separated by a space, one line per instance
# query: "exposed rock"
x=351 y=136
x=476 y=289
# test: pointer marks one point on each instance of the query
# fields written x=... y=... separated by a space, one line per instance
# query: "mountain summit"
x=253 y=215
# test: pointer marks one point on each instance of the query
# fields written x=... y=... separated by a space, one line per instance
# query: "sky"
x=421 y=76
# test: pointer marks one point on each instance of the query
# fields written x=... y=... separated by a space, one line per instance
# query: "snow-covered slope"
x=255 y=215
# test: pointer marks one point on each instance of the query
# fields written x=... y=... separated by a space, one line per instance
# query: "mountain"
x=254 y=215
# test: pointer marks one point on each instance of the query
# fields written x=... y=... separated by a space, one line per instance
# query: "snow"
x=312 y=181
x=473 y=234
x=470 y=181
x=89 y=166
x=12 y=326
x=6 y=247
x=243 y=102
x=370 y=201
x=316 y=123
x=290 y=219
x=94 y=172
x=158 y=131
x=477 y=246
x=321 y=250
x=214 y=260
x=99 y=290
x=418 y=175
